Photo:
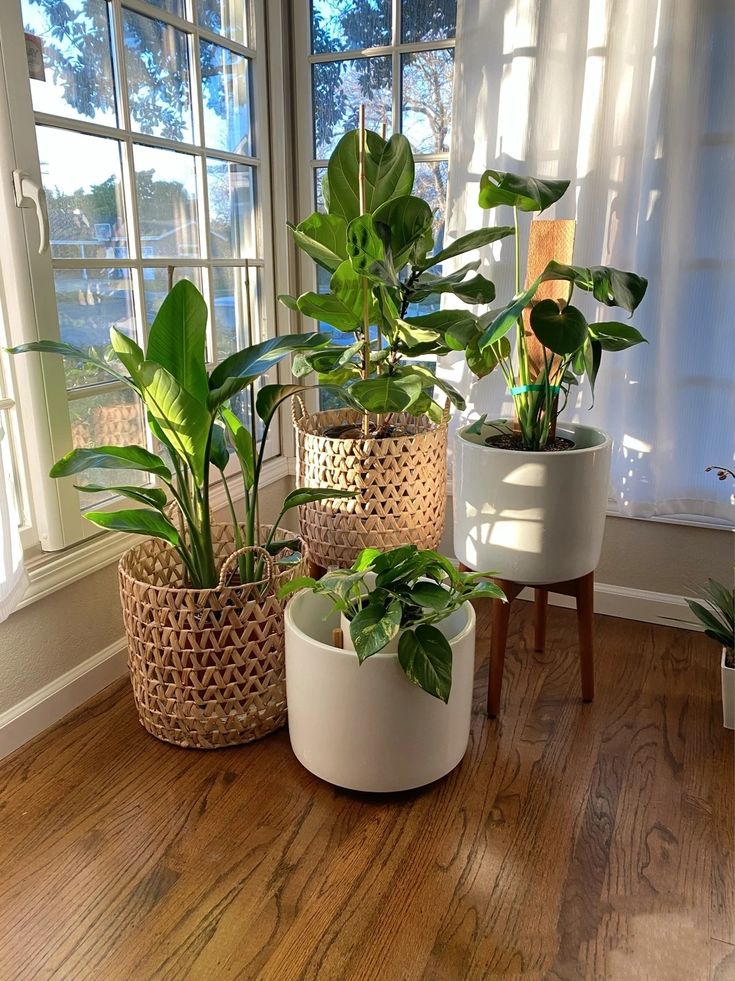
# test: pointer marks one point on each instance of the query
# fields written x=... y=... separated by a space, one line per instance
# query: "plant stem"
x=253 y=506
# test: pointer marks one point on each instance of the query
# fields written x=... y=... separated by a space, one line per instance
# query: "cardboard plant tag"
x=34 y=56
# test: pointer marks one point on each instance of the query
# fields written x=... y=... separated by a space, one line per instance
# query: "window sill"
x=50 y=571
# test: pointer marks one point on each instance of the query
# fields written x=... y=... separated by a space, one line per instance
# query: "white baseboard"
x=666 y=609
x=61 y=696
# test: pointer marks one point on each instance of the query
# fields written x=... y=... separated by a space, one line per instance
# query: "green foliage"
x=572 y=347
x=406 y=591
x=380 y=262
x=187 y=413
x=717 y=615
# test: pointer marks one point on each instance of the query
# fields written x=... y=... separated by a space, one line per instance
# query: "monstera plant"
x=189 y=414
x=376 y=244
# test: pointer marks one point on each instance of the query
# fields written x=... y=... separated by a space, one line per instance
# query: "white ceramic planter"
x=366 y=727
x=531 y=517
x=728 y=693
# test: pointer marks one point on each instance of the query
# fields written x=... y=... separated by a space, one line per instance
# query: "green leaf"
x=295 y=585
x=482 y=362
x=426 y=659
x=561 y=331
x=478 y=289
x=136 y=521
x=468 y=242
x=526 y=193
x=330 y=309
x=428 y=283
x=456 y=327
x=431 y=595
x=67 y=351
x=375 y=626
x=613 y=336
x=365 y=247
x=129 y=353
x=184 y=420
x=409 y=219
x=592 y=357
x=153 y=496
x=289 y=301
x=429 y=379
x=613 y=287
x=309 y=495
x=365 y=559
x=244 y=367
x=178 y=337
x=504 y=320
x=723 y=598
x=242 y=442
x=389 y=173
x=219 y=454
x=386 y=393
x=110 y=458
x=324 y=238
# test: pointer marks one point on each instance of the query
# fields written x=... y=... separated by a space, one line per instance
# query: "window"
x=148 y=132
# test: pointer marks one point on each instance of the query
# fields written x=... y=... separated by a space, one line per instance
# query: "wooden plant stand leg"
x=541 y=602
x=314 y=570
x=499 y=639
x=585 y=593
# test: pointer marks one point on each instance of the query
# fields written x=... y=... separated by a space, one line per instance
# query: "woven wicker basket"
x=206 y=665
x=401 y=486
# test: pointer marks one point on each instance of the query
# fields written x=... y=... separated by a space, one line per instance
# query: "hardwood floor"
x=574 y=841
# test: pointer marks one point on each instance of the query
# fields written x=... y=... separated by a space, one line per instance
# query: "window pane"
x=231 y=189
x=90 y=301
x=427 y=122
x=428 y=20
x=156 y=286
x=83 y=181
x=338 y=89
x=177 y=7
x=77 y=61
x=226 y=99
x=232 y=317
x=430 y=183
x=165 y=184
x=157 y=65
x=348 y=25
x=227 y=17
x=319 y=174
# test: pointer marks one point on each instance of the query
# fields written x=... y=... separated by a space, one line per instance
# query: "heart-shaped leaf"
x=525 y=193
x=389 y=173
x=426 y=659
x=561 y=331
x=376 y=624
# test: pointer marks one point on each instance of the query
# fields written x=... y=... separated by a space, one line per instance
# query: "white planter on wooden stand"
x=728 y=693
x=531 y=517
x=366 y=726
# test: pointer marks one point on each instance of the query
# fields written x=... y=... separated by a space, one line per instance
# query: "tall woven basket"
x=401 y=485
x=206 y=665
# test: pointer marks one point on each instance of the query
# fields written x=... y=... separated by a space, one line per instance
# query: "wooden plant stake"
x=365 y=285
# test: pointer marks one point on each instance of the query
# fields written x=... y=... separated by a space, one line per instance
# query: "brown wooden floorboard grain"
x=573 y=842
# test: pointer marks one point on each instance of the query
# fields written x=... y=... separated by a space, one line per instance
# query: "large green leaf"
x=110 y=458
x=130 y=354
x=468 y=242
x=330 y=309
x=184 y=420
x=426 y=659
x=428 y=379
x=365 y=248
x=613 y=336
x=246 y=366
x=219 y=453
x=409 y=219
x=310 y=495
x=376 y=624
x=428 y=283
x=323 y=237
x=478 y=289
x=386 y=393
x=242 y=441
x=613 y=287
x=67 y=351
x=152 y=496
x=178 y=337
x=431 y=595
x=526 y=193
x=504 y=319
x=136 y=521
x=389 y=173
x=458 y=326
x=561 y=331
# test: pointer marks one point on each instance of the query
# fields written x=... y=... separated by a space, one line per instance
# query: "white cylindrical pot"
x=366 y=726
x=531 y=517
x=728 y=693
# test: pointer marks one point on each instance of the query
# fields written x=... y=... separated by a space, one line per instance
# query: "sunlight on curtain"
x=13 y=580
x=634 y=103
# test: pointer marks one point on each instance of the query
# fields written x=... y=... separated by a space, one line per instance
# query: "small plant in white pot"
x=717 y=616
x=380 y=669
x=530 y=500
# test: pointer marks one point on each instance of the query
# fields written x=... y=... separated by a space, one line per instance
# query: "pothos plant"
x=189 y=415
x=376 y=242
x=572 y=347
x=405 y=591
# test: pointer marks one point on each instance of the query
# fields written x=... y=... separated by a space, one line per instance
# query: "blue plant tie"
x=520 y=389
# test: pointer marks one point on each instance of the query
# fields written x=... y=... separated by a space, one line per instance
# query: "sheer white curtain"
x=634 y=101
x=12 y=577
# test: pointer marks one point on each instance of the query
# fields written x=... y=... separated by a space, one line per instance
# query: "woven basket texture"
x=206 y=665
x=401 y=485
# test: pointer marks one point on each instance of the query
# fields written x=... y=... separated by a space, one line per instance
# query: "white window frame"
x=55 y=521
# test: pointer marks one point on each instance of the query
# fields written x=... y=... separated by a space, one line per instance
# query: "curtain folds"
x=633 y=101
x=13 y=580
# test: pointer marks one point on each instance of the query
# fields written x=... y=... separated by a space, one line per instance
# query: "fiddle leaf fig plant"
x=403 y=592
x=376 y=243
x=572 y=346
x=188 y=413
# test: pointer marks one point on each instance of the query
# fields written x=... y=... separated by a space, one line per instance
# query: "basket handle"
x=229 y=562
x=445 y=411
x=297 y=403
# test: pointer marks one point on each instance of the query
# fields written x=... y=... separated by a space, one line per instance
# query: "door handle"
x=30 y=194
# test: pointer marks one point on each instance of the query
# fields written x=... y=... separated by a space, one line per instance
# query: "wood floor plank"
x=573 y=841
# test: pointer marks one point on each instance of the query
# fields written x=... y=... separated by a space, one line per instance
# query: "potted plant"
x=380 y=668
x=530 y=500
x=204 y=623
x=376 y=246
x=717 y=616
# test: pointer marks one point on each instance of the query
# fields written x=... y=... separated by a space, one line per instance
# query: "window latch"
x=30 y=194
